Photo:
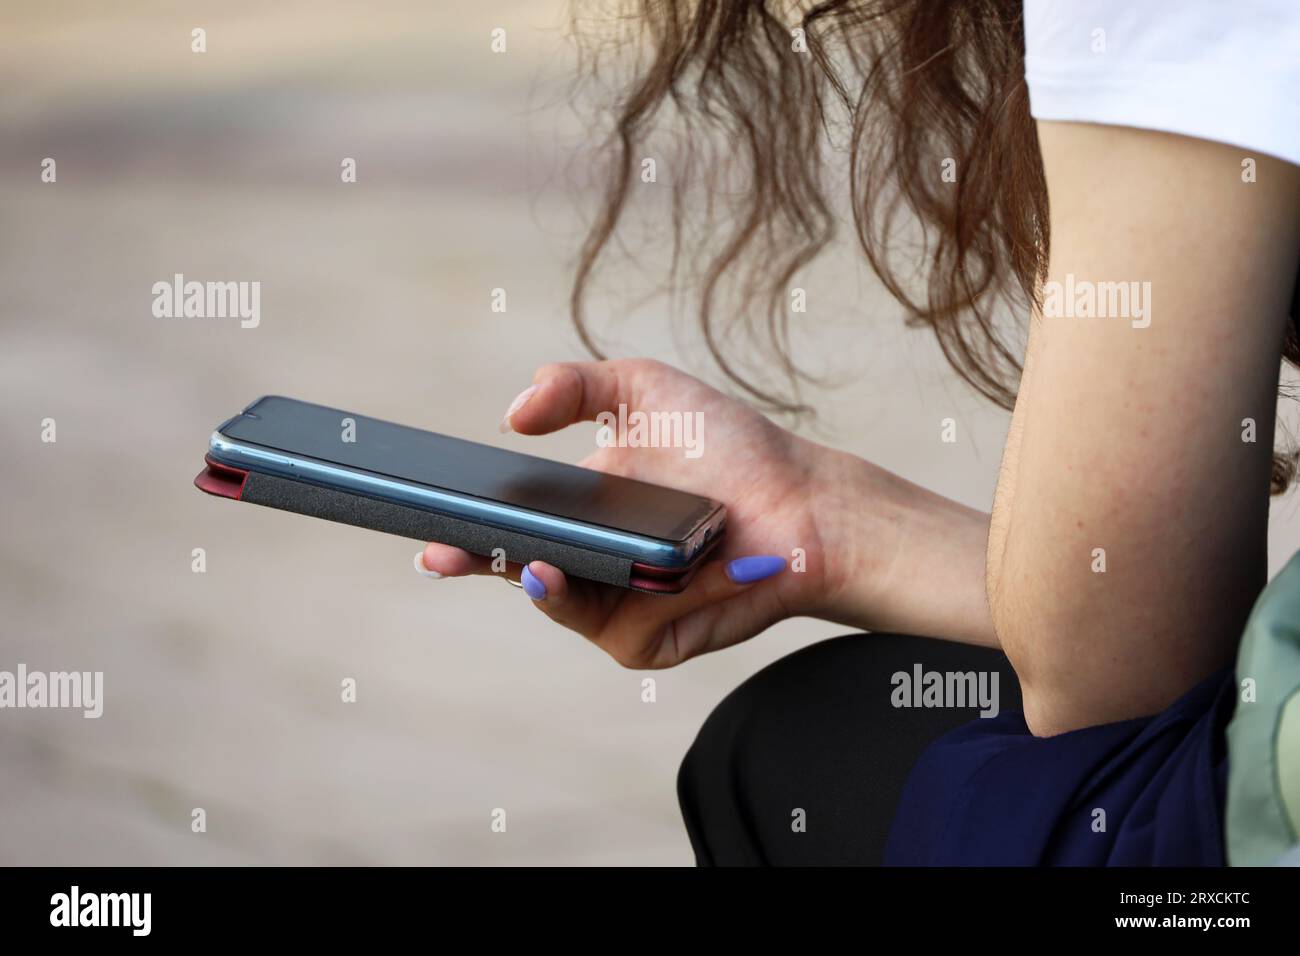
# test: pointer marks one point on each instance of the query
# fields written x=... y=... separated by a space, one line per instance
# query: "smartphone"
x=345 y=467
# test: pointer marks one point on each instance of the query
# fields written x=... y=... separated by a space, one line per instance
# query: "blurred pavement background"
x=222 y=689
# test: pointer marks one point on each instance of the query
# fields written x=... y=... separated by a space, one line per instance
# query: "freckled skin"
x=1113 y=440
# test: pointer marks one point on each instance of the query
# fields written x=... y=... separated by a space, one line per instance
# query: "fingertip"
x=520 y=401
x=552 y=403
x=423 y=569
x=754 y=568
x=532 y=585
x=543 y=582
x=443 y=561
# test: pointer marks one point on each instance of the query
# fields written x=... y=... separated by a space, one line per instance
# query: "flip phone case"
x=361 y=511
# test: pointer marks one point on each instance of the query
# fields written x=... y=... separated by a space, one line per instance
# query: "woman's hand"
x=784 y=495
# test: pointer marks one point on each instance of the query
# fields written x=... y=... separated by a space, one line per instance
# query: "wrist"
x=898 y=557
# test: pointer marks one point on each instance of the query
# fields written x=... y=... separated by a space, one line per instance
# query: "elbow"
x=1082 y=666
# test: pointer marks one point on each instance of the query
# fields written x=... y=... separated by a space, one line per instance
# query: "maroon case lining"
x=227 y=481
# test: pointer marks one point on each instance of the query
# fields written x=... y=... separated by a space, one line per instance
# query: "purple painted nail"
x=533 y=585
x=755 y=568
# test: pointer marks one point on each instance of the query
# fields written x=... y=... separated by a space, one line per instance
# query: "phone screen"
x=468 y=468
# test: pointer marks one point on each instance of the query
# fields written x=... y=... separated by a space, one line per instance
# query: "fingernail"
x=533 y=585
x=520 y=401
x=755 y=568
x=419 y=566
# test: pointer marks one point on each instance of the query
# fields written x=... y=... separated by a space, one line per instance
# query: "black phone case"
x=361 y=511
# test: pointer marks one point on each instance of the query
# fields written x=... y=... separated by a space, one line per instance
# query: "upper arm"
x=1127 y=441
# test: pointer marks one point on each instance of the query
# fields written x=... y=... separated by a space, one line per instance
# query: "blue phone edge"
x=639 y=548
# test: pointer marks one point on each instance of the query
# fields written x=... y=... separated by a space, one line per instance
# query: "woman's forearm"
x=913 y=561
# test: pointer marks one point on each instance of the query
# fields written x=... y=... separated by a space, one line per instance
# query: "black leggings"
x=816 y=731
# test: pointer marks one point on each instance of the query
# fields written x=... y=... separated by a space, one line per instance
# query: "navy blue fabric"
x=991 y=793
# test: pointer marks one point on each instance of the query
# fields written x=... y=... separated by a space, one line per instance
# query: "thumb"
x=566 y=392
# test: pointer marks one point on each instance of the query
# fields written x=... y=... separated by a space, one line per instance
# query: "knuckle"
x=553 y=370
x=631 y=655
x=639 y=366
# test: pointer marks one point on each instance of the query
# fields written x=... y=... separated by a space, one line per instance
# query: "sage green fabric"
x=1263 y=814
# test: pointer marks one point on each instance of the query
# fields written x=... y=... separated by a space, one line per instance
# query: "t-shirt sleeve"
x=1227 y=71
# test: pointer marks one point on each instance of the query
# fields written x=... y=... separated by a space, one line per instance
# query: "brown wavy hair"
x=916 y=87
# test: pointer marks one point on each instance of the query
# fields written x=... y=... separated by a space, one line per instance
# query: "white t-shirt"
x=1227 y=71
